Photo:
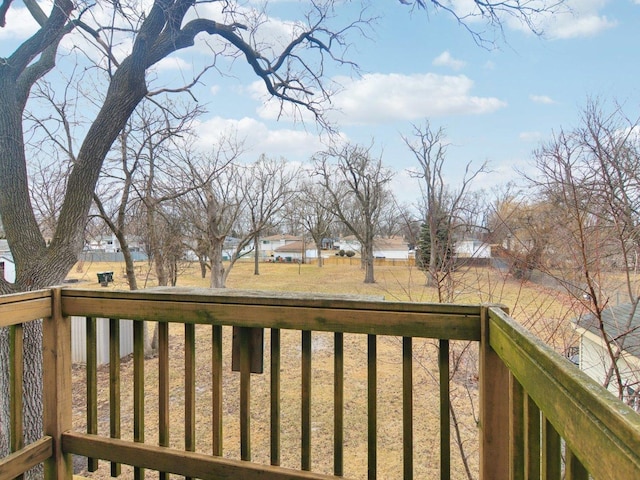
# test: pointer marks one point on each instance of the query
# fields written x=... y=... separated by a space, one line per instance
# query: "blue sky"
x=496 y=105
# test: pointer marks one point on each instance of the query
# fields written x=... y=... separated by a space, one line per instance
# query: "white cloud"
x=588 y=25
x=20 y=24
x=530 y=136
x=259 y=138
x=573 y=19
x=382 y=98
x=173 y=63
x=446 y=60
x=544 y=99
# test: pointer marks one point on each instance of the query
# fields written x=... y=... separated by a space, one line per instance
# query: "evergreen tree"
x=441 y=248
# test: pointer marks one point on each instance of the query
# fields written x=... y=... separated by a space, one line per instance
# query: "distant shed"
x=79 y=339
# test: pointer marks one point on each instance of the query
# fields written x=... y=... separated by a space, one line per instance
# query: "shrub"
x=350 y=253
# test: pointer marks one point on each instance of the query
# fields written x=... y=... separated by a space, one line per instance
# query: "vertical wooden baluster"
x=92 y=384
x=445 y=419
x=494 y=407
x=57 y=401
x=16 y=375
x=275 y=396
x=114 y=386
x=574 y=470
x=338 y=405
x=163 y=389
x=516 y=427
x=138 y=389
x=216 y=394
x=372 y=414
x=532 y=457
x=551 y=453
x=189 y=387
x=306 y=401
x=407 y=407
x=245 y=394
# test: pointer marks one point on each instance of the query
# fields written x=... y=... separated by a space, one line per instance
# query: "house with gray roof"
x=621 y=328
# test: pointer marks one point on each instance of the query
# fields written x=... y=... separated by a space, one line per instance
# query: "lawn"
x=544 y=310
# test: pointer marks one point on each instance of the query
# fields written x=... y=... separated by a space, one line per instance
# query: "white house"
x=269 y=245
x=347 y=243
x=622 y=327
x=292 y=251
x=471 y=248
x=395 y=248
x=7 y=267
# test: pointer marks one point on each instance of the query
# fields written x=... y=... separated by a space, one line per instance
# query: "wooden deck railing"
x=539 y=416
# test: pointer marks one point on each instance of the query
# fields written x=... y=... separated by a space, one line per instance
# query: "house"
x=472 y=248
x=395 y=248
x=7 y=267
x=293 y=251
x=269 y=245
x=104 y=243
x=350 y=242
x=622 y=327
x=4 y=246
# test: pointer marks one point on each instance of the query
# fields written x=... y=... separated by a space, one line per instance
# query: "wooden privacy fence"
x=539 y=417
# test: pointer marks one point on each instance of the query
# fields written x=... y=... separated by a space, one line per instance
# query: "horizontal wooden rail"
x=24 y=307
x=24 y=460
x=188 y=464
x=329 y=314
x=587 y=417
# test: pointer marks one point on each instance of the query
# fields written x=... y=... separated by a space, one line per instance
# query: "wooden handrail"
x=531 y=399
x=300 y=312
x=587 y=416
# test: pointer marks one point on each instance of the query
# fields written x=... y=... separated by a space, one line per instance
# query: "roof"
x=7 y=256
x=621 y=323
x=391 y=243
x=296 y=247
x=273 y=238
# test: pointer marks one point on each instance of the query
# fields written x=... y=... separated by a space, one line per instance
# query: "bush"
x=350 y=253
x=341 y=253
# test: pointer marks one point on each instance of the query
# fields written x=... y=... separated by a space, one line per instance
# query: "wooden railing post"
x=56 y=391
x=494 y=408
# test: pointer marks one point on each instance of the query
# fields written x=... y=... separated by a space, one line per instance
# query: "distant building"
x=269 y=245
x=7 y=267
x=622 y=327
x=472 y=248
x=395 y=248
x=293 y=251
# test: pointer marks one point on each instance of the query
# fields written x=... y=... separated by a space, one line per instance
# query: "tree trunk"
x=128 y=262
x=217 y=268
x=256 y=256
x=203 y=266
x=319 y=253
x=368 y=264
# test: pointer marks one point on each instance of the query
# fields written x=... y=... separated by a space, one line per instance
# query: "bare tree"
x=591 y=175
x=445 y=210
x=312 y=210
x=358 y=188
x=268 y=186
x=485 y=19
x=213 y=208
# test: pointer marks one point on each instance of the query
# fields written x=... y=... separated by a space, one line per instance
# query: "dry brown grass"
x=546 y=309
